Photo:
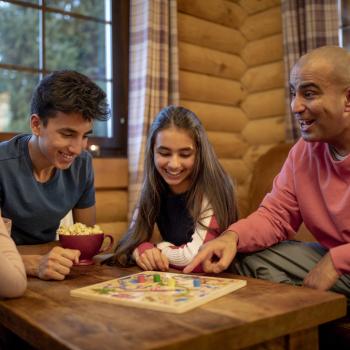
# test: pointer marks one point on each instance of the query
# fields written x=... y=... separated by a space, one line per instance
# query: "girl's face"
x=174 y=157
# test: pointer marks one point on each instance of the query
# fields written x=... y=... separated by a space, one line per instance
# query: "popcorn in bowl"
x=78 y=229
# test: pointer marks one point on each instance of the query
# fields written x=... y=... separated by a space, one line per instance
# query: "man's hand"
x=216 y=255
x=152 y=259
x=323 y=276
x=55 y=265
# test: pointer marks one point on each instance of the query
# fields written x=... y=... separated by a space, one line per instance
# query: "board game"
x=162 y=291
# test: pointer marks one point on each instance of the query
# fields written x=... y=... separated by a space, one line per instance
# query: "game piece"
x=171 y=282
x=159 y=295
x=156 y=278
x=196 y=282
x=141 y=279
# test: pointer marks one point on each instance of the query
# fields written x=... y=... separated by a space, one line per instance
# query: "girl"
x=185 y=192
x=12 y=273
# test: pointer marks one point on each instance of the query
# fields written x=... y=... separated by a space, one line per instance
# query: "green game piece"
x=156 y=278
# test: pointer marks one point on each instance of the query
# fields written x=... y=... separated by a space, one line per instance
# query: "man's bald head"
x=333 y=59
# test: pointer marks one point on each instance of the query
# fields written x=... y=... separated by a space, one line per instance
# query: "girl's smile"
x=174 y=157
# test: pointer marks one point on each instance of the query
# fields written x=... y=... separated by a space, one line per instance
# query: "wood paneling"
x=228 y=145
x=111 y=173
x=254 y=6
x=264 y=104
x=263 y=51
x=208 y=34
x=216 y=117
x=236 y=168
x=200 y=87
x=265 y=131
x=218 y=11
x=203 y=60
x=265 y=77
x=262 y=24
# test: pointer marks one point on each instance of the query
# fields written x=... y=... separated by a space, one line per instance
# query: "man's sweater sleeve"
x=340 y=258
x=277 y=218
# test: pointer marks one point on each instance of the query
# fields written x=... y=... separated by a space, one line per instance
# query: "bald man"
x=313 y=187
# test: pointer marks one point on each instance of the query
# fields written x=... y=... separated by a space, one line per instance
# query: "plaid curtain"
x=307 y=24
x=153 y=77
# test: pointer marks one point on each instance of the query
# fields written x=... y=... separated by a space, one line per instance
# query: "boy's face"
x=63 y=138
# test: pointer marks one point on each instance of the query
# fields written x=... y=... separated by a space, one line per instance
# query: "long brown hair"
x=207 y=179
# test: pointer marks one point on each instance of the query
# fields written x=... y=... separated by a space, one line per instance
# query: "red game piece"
x=141 y=279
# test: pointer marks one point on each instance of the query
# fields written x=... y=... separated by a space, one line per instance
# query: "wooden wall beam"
x=204 y=88
x=203 y=60
x=215 y=117
x=208 y=34
x=219 y=11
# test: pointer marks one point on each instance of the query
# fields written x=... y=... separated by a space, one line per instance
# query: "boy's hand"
x=55 y=265
x=216 y=255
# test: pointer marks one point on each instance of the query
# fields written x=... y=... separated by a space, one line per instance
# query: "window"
x=344 y=29
x=39 y=36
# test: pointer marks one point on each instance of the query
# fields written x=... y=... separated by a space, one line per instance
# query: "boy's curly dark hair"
x=68 y=91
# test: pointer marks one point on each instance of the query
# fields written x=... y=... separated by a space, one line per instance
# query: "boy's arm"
x=55 y=265
x=85 y=216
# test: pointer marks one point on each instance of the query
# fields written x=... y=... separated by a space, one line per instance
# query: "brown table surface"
x=260 y=315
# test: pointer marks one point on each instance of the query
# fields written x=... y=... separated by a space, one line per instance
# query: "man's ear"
x=35 y=124
x=347 y=99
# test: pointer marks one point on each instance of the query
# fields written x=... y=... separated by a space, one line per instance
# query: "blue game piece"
x=196 y=282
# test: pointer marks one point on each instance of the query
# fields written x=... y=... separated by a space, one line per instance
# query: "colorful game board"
x=163 y=291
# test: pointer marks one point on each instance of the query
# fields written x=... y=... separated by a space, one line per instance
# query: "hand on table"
x=152 y=259
x=323 y=276
x=55 y=265
x=216 y=255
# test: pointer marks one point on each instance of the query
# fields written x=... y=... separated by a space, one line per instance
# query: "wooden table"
x=260 y=315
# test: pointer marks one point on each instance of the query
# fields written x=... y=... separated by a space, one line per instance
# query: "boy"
x=45 y=174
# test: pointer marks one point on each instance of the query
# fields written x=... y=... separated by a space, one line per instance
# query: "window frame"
x=115 y=146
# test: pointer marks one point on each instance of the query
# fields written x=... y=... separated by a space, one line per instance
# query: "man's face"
x=62 y=139
x=318 y=103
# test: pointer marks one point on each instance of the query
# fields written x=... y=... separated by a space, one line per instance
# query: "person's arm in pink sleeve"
x=278 y=217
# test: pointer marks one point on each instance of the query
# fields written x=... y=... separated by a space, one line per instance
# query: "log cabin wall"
x=232 y=76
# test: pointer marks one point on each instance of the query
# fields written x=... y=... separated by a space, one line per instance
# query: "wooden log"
x=203 y=33
x=203 y=60
x=217 y=117
x=265 y=77
x=265 y=131
x=267 y=50
x=254 y=153
x=228 y=145
x=111 y=206
x=110 y=173
x=116 y=229
x=218 y=11
x=262 y=24
x=200 y=87
x=264 y=104
x=254 y=6
x=236 y=168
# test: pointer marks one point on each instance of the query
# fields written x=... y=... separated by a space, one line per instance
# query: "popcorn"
x=78 y=229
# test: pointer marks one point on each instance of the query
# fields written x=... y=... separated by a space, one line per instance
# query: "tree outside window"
x=38 y=37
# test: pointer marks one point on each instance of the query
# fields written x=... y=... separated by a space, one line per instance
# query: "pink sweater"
x=311 y=187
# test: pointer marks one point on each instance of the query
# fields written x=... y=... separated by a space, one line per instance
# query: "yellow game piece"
x=171 y=282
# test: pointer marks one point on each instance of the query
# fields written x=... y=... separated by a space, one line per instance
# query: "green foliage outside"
x=70 y=43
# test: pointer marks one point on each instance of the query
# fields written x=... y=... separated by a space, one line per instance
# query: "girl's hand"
x=153 y=259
